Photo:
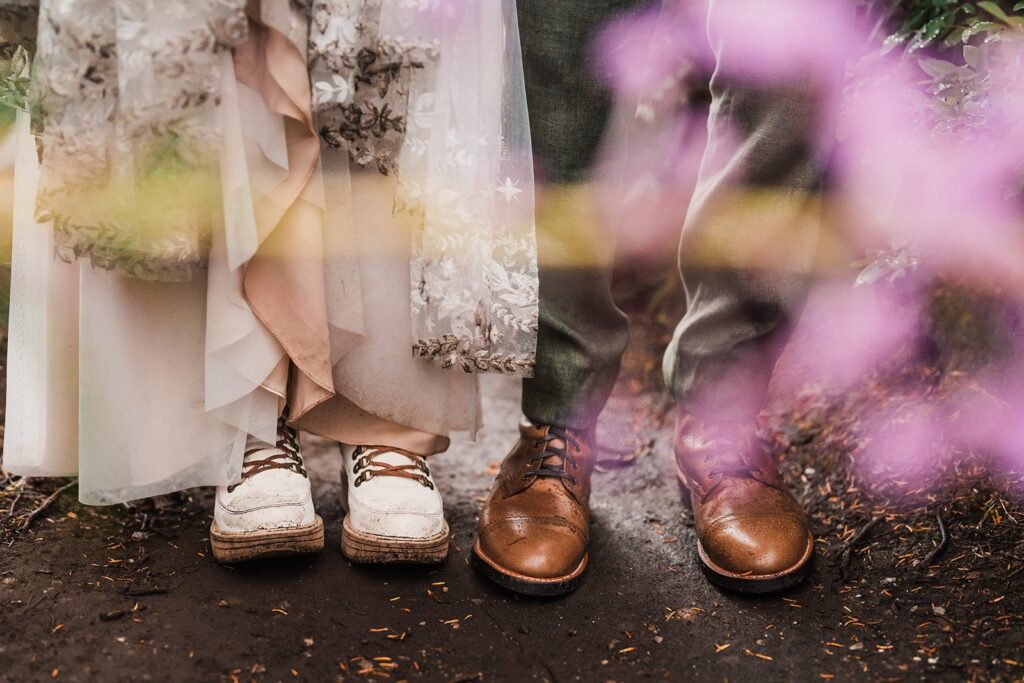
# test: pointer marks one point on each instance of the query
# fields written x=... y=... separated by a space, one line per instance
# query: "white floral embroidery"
x=430 y=91
x=128 y=128
x=336 y=89
x=510 y=190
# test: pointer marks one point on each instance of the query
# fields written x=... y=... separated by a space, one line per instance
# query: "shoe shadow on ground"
x=274 y=569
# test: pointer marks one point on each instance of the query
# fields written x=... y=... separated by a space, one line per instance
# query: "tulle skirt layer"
x=141 y=388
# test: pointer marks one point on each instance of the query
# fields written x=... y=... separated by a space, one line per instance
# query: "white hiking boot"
x=270 y=511
x=394 y=510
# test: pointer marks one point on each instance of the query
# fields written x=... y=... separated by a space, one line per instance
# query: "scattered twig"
x=38 y=601
x=1002 y=504
x=849 y=546
x=941 y=548
x=45 y=504
x=153 y=590
x=14 y=504
x=984 y=516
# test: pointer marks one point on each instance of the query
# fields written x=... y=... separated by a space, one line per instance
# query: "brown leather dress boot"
x=534 y=525
x=752 y=535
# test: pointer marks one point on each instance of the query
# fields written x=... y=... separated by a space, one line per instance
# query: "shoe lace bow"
x=564 y=454
x=284 y=455
x=367 y=466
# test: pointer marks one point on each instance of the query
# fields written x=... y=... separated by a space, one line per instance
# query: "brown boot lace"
x=564 y=453
x=285 y=456
x=366 y=456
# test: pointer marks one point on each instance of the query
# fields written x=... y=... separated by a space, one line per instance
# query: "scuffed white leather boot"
x=270 y=511
x=394 y=511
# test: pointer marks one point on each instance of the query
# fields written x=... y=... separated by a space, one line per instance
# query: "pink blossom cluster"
x=926 y=166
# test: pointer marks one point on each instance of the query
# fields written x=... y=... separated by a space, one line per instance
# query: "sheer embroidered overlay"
x=127 y=98
x=126 y=90
x=431 y=91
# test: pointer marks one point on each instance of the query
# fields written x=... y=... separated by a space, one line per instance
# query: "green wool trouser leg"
x=751 y=234
x=746 y=249
x=582 y=333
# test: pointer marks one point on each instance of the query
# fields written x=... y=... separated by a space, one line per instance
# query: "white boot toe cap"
x=265 y=505
x=396 y=522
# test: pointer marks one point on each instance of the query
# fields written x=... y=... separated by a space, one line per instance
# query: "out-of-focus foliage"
x=972 y=52
x=917 y=24
x=17 y=38
x=18 y=19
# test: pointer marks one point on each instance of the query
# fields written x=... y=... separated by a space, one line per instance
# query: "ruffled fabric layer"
x=128 y=95
x=142 y=388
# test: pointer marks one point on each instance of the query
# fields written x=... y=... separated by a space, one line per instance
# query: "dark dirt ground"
x=131 y=593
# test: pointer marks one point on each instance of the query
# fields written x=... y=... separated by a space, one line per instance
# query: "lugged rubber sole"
x=229 y=547
x=755 y=585
x=527 y=585
x=372 y=549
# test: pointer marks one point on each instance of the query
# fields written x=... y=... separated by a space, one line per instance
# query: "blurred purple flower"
x=782 y=42
x=641 y=53
x=942 y=191
x=845 y=334
x=988 y=417
x=647 y=172
x=905 y=440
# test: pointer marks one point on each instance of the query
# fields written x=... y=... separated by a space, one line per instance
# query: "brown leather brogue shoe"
x=534 y=525
x=752 y=535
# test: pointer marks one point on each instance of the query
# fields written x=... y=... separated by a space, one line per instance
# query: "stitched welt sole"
x=234 y=547
x=761 y=584
x=372 y=549
x=525 y=585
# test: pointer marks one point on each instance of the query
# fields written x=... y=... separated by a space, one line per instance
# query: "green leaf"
x=911 y=24
x=938 y=68
x=973 y=57
x=995 y=10
x=955 y=37
x=1018 y=7
x=926 y=35
x=981 y=27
